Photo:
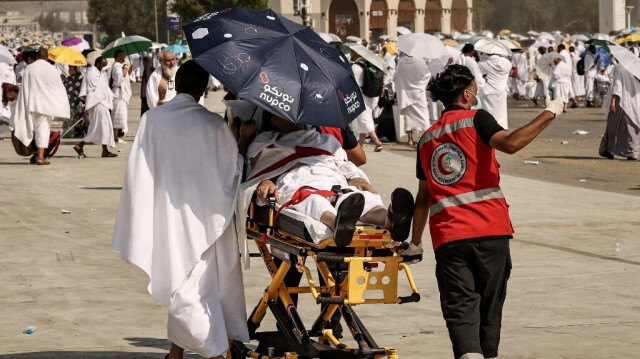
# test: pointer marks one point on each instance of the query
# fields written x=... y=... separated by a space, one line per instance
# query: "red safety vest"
x=464 y=181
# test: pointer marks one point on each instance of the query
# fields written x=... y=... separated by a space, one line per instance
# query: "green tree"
x=482 y=10
x=132 y=17
x=190 y=9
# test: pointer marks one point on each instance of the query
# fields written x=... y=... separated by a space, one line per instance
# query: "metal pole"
x=155 y=12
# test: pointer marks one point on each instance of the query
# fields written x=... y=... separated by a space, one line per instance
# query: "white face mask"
x=478 y=105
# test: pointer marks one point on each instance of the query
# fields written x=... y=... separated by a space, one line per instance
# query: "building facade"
x=373 y=18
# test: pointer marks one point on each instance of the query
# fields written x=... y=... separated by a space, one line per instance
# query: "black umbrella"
x=277 y=64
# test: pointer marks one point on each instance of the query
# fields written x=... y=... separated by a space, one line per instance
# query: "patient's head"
x=274 y=122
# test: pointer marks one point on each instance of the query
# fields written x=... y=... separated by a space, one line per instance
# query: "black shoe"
x=631 y=159
x=348 y=214
x=607 y=155
x=574 y=105
x=535 y=101
x=590 y=104
x=401 y=214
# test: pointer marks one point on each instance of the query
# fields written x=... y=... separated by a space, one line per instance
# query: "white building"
x=372 y=18
x=612 y=15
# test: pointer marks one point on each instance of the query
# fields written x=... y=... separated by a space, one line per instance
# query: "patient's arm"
x=265 y=188
x=361 y=184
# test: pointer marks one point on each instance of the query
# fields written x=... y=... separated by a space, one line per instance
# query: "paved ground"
x=573 y=293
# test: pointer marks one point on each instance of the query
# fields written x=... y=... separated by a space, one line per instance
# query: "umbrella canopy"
x=602 y=43
x=420 y=45
x=579 y=37
x=354 y=39
x=487 y=33
x=474 y=39
x=129 y=44
x=545 y=36
x=533 y=33
x=92 y=56
x=510 y=45
x=492 y=46
x=67 y=56
x=632 y=38
x=452 y=51
x=450 y=42
x=6 y=57
x=546 y=65
x=177 y=49
x=504 y=32
x=76 y=43
x=367 y=55
x=277 y=64
x=329 y=38
x=403 y=30
x=627 y=60
x=600 y=36
x=391 y=48
x=384 y=37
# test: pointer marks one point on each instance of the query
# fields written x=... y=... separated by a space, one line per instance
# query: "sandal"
x=109 y=154
x=79 y=151
x=402 y=205
x=378 y=149
x=347 y=216
x=41 y=161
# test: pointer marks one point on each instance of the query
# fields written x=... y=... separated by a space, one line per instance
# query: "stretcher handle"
x=329 y=258
x=330 y=300
x=413 y=298
x=271 y=201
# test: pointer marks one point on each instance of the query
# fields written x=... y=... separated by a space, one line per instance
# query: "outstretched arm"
x=420 y=213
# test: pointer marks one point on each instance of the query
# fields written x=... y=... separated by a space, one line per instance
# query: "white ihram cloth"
x=121 y=97
x=175 y=222
x=152 y=88
x=494 y=93
x=42 y=97
x=577 y=81
x=99 y=101
x=364 y=122
x=622 y=134
x=412 y=78
x=390 y=64
x=520 y=61
x=590 y=72
x=472 y=65
x=562 y=81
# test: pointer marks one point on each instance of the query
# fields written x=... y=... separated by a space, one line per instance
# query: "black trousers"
x=472 y=279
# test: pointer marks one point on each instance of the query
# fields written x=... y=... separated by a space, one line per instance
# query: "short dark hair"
x=572 y=48
x=450 y=83
x=118 y=52
x=43 y=53
x=561 y=47
x=191 y=78
x=29 y=55
x=467 y=48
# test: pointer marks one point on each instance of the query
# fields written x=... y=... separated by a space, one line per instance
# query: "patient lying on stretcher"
x=321 y=164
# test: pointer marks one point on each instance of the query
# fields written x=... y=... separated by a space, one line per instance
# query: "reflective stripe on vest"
x=446 y=129
x=465 y=198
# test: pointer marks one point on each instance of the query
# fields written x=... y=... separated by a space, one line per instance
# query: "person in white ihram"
x=176 y=219
x=42 y=97
x=121 y=81
x=412 y=77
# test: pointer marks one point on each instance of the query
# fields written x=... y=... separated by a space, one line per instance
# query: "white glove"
x=556 y=106
x=413 y=251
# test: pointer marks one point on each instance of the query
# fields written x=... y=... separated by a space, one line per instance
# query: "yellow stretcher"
x=370 y=263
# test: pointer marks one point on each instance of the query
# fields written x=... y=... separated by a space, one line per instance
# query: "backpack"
x=580 y=66
x=373 y=79
x=22 y=150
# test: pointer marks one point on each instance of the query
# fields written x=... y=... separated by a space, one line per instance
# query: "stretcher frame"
x=371 y=248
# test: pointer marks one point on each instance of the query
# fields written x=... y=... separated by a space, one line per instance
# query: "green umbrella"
x=129 y=44
x=602 y=43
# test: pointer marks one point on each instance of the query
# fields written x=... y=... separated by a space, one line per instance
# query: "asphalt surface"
x=573 y=291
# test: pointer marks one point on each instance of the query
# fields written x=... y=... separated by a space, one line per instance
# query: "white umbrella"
x=326 y=37
x=545 y=36
x=533 y=33
x=403 y=30
x=627 y=59
x=492 y=46
x=463 y=38
x=601 y=36
x=487 y=33
x=474 y=39
x=453 y=51
x=84 y=45
x=384 y=37
x=541 y=43
x=420 y=45
x=579 y=37
x=6 y=57
x=545 y=66
x=354 y=39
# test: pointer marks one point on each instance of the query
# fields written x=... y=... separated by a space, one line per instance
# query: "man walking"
x=459 y=192
x=121 y=87
x=176 y=219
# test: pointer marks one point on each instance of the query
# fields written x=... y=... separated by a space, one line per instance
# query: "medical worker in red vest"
x=459 y=192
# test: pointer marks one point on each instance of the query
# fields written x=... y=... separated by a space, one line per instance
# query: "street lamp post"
x=155 y=12
x=627 y=10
